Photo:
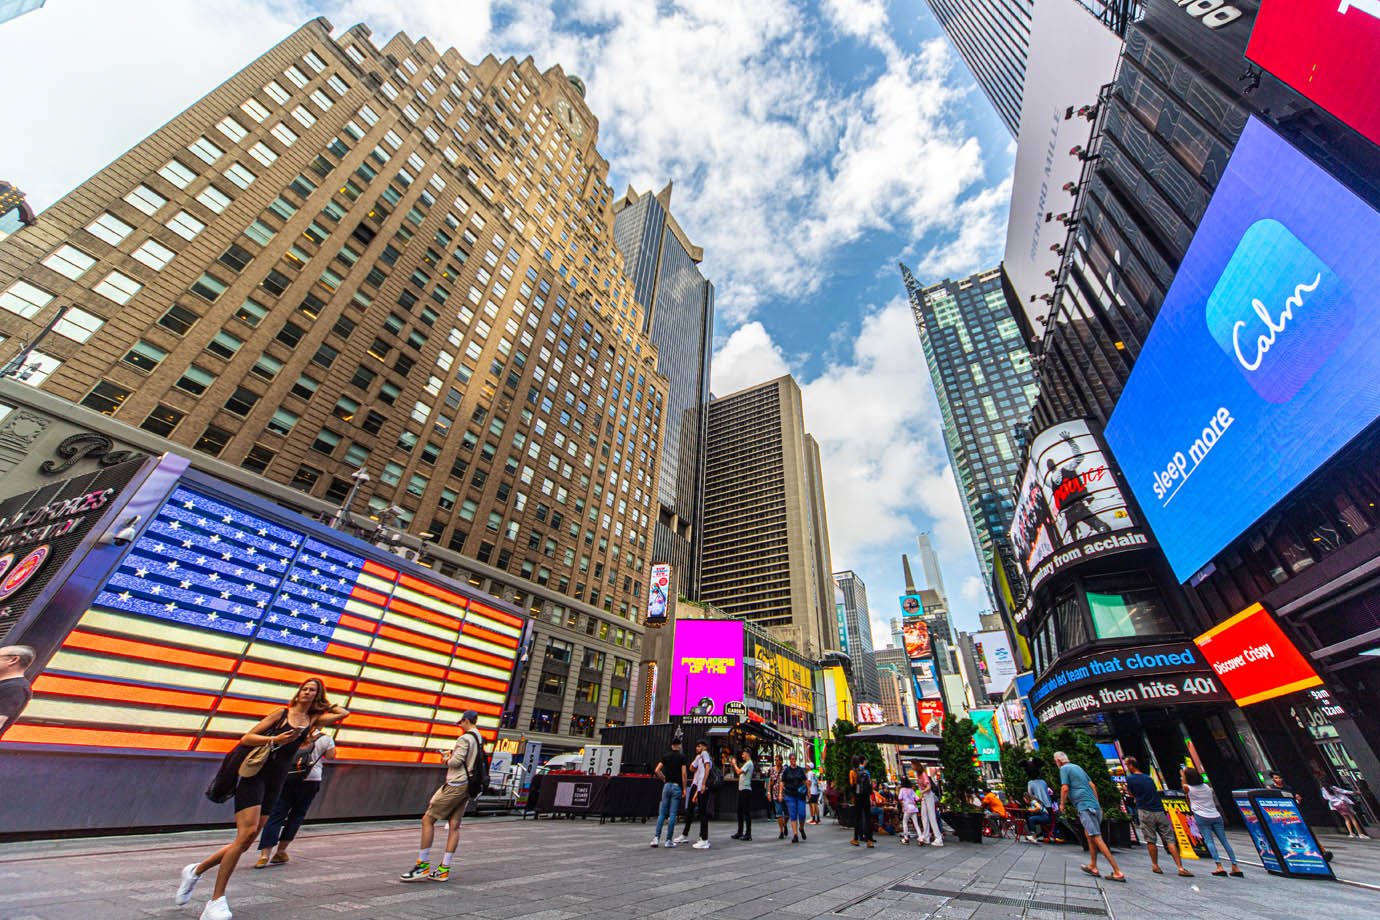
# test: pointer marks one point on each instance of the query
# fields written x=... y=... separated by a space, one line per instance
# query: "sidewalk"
x=554 y=870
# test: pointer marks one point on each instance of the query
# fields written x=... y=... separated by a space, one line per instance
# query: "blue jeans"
x=795 y=808
x=670 y=806
x=1209 y=827
x=289 y=812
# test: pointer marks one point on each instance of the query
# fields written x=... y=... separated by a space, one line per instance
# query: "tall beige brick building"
x=766 y=534
x=391 y=260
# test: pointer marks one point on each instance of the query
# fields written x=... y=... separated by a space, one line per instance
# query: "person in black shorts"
x=283 y=730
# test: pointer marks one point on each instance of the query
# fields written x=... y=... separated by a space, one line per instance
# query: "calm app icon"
x=1278 y=311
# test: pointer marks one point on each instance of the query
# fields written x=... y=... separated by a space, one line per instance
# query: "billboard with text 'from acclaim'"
x=1327 y=50
x=1071 y=56
x=1261 y=363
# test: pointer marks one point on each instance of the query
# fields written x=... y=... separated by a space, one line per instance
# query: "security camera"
x=125 y=535
x=396 y=511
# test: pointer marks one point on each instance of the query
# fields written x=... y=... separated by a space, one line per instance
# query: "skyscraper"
x=388 y=260
x=982 y=377
x=678 y=305
x=859 y=619
x=929 y=564
x=764 y=517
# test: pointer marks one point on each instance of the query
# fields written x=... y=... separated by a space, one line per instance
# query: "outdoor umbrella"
x=895 y=734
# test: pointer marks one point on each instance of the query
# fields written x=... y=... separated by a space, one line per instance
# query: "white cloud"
x=748 y=357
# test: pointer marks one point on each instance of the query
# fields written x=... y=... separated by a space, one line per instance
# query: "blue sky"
x=812 y=145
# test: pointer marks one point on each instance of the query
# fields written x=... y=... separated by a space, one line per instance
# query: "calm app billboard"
x=1261 y=364
x=706 y=667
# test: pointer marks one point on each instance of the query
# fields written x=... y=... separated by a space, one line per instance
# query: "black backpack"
x=716 y=777
x=863 y=790
x=479 y=773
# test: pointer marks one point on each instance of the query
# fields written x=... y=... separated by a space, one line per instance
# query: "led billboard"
x=706 y=666
x=1087 y=53
x=870 y=714
x=994 y=660
x=1326 y=50
x=1254 y=659
x=1260 y=365
x=658 y=594
x=915 y=633
x=931 y=714
x=216 y=612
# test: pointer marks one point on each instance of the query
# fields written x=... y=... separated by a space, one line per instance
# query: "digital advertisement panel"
x=1260 y=365
x=985 y=740
x=658 y=594
x=870 y=714
x=706 y=666
x=216 y=613
x=1254 y=659
x=911 y=605
x=1087 y=54
x=994 y=660
x=1326 y=50
x=926 y=681
x=931 y=715
x=1297 y=845
x=1258 y=836
x=916 y=633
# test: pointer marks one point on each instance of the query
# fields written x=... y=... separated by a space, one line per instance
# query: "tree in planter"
x=838 y=761
x=1013 y=774
x=961 y=779
x=1082 y=750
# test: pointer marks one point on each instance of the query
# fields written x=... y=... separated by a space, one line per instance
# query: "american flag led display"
x=216 y=614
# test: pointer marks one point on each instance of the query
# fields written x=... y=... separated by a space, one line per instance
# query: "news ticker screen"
x=216 y=615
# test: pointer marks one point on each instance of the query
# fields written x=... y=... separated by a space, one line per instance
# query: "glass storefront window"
x=1121 y=607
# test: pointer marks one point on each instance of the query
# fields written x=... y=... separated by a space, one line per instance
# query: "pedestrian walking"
x=1076 y=787
x=910 y=811
x=744 y=772
x=1154 y=821
x=860 y=785
x=671 y=770
x=812 y=777
x=269 y=749
x=795 y=787
x=15 y=691
x=697 y=796
x=303 y=783
x=464 y=779
x=1340 y=801
x=930 y=831
x=1203 y=803
x=776 y=795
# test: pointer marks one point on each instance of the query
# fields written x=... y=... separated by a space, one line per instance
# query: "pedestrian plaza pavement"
x=561 y=869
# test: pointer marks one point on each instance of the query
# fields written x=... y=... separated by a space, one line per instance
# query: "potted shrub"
x=838 y=761
x=961 y=779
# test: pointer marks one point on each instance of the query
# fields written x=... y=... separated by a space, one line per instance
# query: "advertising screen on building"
x=215 y=615
x=1326 y=50
x=870 y=714
x=911 y=605
x=916 y=634
x=1087 y=54
x=931 y=714
x=1261 y=364
x=706 y=666
x=1254 y=659
x=658 y=594
x=985 y=739
x=926 y=680
x=995 y=662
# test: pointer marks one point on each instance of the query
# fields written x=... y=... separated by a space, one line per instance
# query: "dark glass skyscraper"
x=981 y=372
x=867 y=685
x=679 y=315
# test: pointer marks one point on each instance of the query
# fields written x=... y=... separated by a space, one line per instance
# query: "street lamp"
x=360 y=477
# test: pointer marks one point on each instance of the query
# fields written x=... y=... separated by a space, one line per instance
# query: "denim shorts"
x=1092 y=821
x=779 y=808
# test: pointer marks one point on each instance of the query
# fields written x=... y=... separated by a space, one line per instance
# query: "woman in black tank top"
x=283 y=730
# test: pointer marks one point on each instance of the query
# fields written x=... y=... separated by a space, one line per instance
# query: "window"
x=117 y=287
x=242 y=401
x=213 y=440
x=551 y=685
x=284 y=134
x=282 y=207
x=145 y=355
x=276 y=92
x=392 y=474
x=263 y=153
x=622 y=667
x=296 y=76
x=314 y=62
x=162 y=420
x=185 y=225
x=282 y=422
x=208 y=287
x=178 y=174
x=154 y=254
x=594 y=659
x=357 y=454
x=345 y=409
x=214 y=199
x=224 y=344
x=305 y=478
x=206 y=150
x=559 y=650
x=618 y=697
x=146 y=199
x=275 y=282
x=254 y=109
x=240 y=175
x=78 y=325
x=266 y=367
x=258 y=459
x=233 y=130
x=1127 y=605
x=235 y=257
x=304 y=117
x=105 y=397
x=305 y=387
x=326 y=441
x=69 y=261
x=110 y=228
x=178 y=319
x=545 y=720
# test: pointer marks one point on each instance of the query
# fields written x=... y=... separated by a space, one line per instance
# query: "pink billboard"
x=706 y=666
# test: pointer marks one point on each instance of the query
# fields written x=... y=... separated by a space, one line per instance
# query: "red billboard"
x=1326 y=50
x=931 y=715
x=1254 y=659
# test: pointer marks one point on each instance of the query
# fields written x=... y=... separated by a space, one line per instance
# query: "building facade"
x=764 y=518
x=982 y=377
x=678 y=314
x=897 y=687
x=391 y=268
x=857 y=614
x=1171 y=140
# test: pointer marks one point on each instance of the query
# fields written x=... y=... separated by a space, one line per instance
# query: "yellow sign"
x=780 y=680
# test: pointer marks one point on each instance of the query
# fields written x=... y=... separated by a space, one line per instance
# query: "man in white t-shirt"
x=812 y=780
x=448 y=803
x=697 y=795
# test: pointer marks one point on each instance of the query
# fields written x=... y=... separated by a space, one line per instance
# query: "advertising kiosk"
x=1281 y=836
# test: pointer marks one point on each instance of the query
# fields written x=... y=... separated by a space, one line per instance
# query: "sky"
x=812 y=145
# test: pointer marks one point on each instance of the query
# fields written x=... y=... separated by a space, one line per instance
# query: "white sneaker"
x=937 y=843
x=188 y=883
x=656 y=842
x=700 y=845
x=219 y=909
x=671 y=844
x=680 y=839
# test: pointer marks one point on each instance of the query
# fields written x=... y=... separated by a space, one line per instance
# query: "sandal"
x=1237 y=873
x=1116 y=878
x=279 y=858
x=1184 y=873
x=1221 y=872
x=1093 y=872
x=262 y=861
x=1157 y=870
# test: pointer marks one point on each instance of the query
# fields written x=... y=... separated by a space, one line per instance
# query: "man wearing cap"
x=448 y=803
